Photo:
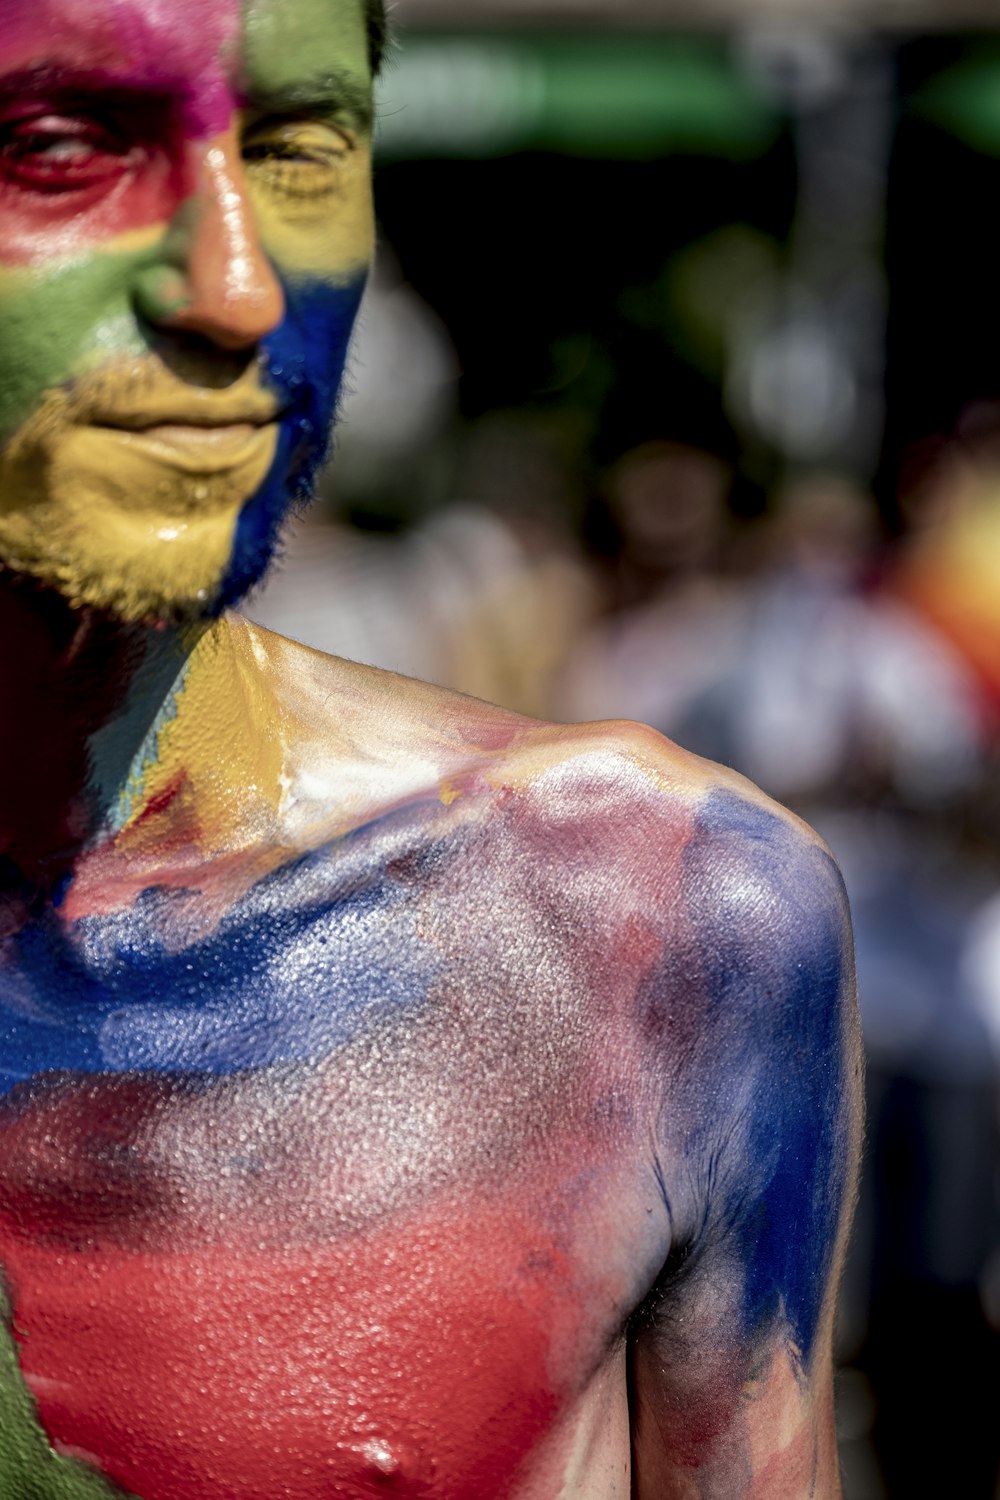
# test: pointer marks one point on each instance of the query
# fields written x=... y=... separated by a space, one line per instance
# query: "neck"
x=81 y=698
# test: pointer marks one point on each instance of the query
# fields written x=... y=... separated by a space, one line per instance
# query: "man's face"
x=185 y=227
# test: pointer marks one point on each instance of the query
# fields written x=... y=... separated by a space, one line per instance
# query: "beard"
x=155 y=489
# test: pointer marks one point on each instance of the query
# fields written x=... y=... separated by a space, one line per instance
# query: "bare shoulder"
x=721 y=913
x=612 y=809
x=713 y=849
x=382 y=715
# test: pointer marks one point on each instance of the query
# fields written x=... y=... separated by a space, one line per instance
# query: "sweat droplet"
x=201 y=492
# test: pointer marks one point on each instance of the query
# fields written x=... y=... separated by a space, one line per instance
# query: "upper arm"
x=757 y=1144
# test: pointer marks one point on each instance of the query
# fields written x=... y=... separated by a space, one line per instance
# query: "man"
x=400 y=1097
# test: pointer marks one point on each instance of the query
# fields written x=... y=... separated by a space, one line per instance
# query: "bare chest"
x=332 y=1200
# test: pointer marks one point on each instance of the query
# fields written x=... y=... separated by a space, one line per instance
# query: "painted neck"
x=80 y=696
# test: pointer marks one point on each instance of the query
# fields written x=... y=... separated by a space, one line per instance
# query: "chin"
x=165 y=573
x=133 y=593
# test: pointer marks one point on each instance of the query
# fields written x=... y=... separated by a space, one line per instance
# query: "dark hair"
x=378 y=32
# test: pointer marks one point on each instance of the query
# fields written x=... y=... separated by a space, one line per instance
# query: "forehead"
x=214 y=52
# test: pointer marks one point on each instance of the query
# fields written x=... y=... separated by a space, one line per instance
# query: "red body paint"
x=146 y=191
x=413 y=1359
x=195 y=1315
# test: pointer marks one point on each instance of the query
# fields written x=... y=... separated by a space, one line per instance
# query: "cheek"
x=304 y=363
x=38 y=228
x=306 y=355
x=58 y=324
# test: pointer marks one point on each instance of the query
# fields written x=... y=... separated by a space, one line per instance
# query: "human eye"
x=296 y=159
x=57 y=152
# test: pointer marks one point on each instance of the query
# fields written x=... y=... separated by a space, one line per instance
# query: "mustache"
x=145 y=392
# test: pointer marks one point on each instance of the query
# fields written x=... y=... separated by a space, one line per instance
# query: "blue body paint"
x=305 y=359
x=308 y=959
x=773 y=963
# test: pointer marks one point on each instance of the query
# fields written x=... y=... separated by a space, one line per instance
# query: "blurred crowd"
x=852 y=673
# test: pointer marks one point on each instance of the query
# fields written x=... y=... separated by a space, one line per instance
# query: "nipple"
x=395 y=1464
x=379 y=1457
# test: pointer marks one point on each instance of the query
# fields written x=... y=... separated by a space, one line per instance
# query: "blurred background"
x=677 y=397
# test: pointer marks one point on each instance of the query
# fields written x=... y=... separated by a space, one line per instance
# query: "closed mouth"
x=249 y=406
x=196 y=447
x=188 y=417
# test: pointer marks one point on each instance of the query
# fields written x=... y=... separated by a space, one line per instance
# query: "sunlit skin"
x=396 y=1095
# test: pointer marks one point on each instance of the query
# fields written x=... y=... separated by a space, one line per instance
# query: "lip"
x=195 y=447
x=209 y=410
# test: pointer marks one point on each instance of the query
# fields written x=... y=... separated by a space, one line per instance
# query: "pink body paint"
x=118 y=42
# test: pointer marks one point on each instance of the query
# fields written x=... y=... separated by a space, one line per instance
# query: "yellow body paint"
x=347 y=237
x=122 y=517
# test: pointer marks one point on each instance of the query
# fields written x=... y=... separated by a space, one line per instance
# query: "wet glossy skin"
x=396 y=1096
x=391 y=1155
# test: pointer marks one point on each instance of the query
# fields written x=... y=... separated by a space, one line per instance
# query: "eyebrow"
x=77 y=78
x=329 y=93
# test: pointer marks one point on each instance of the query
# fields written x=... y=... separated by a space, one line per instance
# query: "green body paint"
x=29 y=1469
x=63 y=321
x=286 y=47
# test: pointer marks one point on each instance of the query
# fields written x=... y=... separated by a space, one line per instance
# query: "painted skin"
x=398 y=1096
x=179 y=205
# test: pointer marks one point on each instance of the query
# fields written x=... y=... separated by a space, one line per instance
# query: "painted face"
x=185 y=227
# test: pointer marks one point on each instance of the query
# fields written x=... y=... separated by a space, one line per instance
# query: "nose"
x=212 y=276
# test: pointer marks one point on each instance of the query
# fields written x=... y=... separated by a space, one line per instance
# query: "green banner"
x=623 y=95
